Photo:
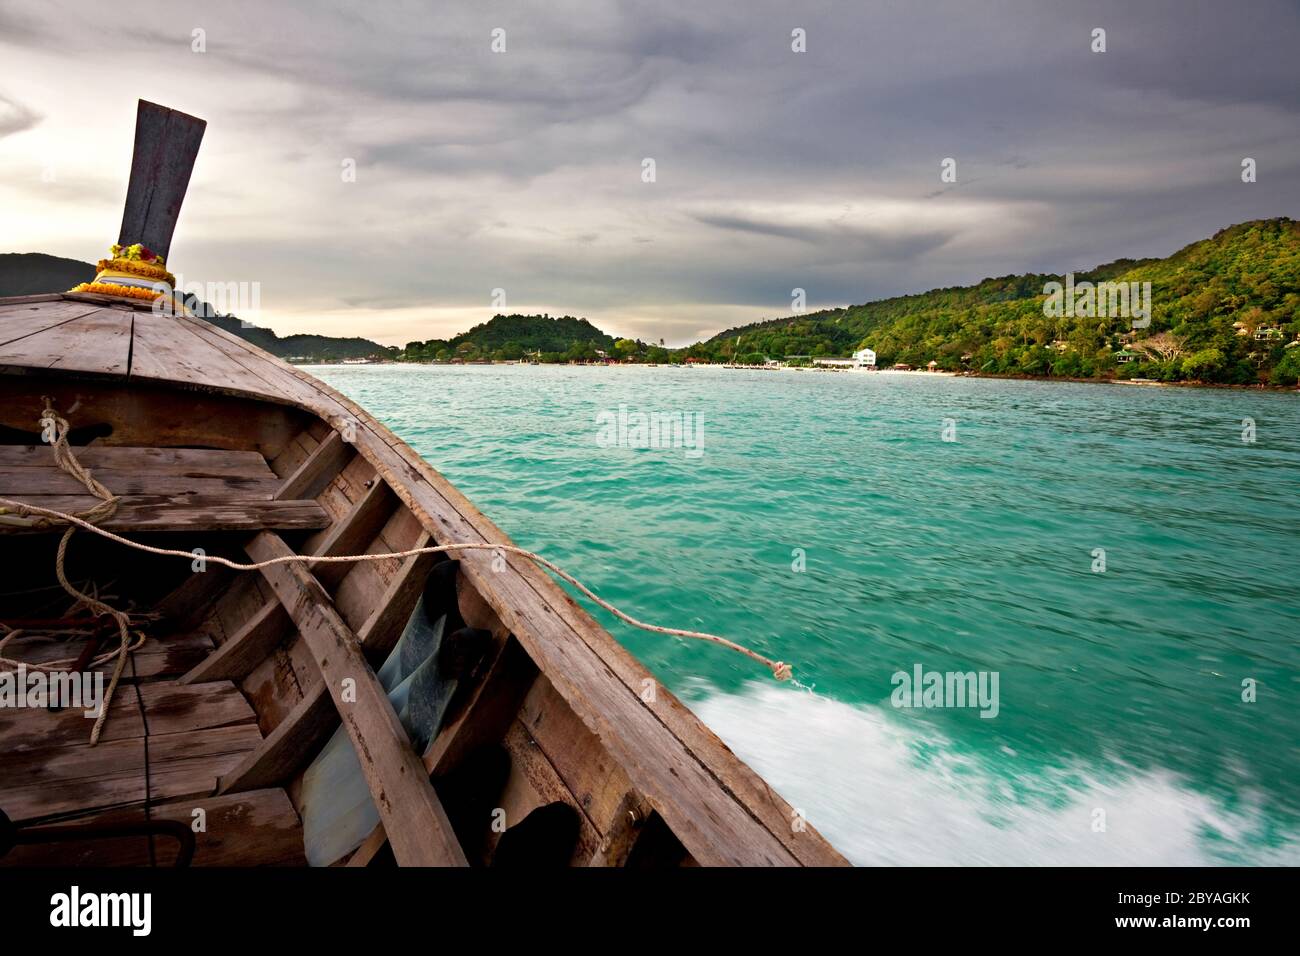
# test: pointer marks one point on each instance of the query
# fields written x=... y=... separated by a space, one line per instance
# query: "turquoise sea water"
x=1120 y=693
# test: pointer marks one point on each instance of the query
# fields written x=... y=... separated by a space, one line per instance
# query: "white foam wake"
x=887 y=793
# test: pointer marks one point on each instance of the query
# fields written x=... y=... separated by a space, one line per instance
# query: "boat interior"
x=428 y=709
x=222 y=710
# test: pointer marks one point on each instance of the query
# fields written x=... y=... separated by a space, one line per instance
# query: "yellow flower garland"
x=110 y=288
x=133 y=260
x=146 y=270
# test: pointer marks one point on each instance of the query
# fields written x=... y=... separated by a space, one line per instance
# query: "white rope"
x=56 y=429
x=780 y=670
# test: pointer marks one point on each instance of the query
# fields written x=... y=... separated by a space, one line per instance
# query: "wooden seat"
x=162 y=489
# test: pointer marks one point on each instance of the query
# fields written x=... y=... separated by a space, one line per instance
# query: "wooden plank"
x=237 y=657
x=353 y=533
x=287 y=748
x=245 y=649
x=13 y=301
x=168 y=708
x=418 y=827
x=718 y=807
x=98 y=342
x=311 y=477
x=191 y=763
x=182 y=462
x=166 y=349
x=148 y=414
x=384 y=626
x=44 y=784
x=259 y=828
x=296 y=739
x=166 y=145
x=19 y=322
x=162 y=655
x=19 y=482
x=594 y=778
x=186 y=513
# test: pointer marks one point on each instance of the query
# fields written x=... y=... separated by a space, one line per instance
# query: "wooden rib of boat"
x=274 y=714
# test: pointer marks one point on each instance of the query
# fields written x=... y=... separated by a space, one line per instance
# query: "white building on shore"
x=863 y=358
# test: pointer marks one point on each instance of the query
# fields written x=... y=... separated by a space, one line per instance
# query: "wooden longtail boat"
x=435 y=710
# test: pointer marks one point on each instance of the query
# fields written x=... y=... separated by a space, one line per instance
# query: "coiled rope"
x=86 y=520
x=55 y=430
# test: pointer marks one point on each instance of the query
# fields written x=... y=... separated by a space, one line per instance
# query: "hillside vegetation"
x=516 y=336
x=1222 y=310
x=303 y=347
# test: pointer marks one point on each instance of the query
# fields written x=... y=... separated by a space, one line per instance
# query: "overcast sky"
x=522 y=170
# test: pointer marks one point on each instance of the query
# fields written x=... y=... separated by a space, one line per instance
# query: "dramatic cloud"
x=522 y=170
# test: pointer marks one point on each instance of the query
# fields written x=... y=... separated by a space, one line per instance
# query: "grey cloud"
x=522 y=169
x=15 y=117
x=883 y=244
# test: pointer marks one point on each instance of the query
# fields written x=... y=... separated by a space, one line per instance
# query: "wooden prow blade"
x=166 y=145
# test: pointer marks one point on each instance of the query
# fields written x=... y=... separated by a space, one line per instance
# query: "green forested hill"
x=513 y=336
x=319 y=348
x=1222 y=310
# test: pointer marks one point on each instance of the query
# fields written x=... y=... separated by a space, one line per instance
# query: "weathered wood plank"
x=182 y=462
x=166 y=145
x=191 y=763
x=168 y=708
x=393 y=609
x=245 y=649
x=294 y=741
x=418 y=827
x=168 y=350
x=621 y=833
x=18 y=322
x=98 y=342
x=325 y=461
x=186 y=513
x=10 y=302
x=594 y=778
x=287 y=748
x=162 y=655
x=352 y=533
x=259 y=828
x=237 y=657
x=533 y=783
x=18 y=482
x=40 y=785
